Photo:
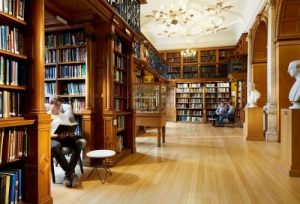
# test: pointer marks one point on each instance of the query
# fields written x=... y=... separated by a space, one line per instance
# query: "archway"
x=259 y=62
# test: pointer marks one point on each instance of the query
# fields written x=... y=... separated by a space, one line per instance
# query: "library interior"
x=171 y=101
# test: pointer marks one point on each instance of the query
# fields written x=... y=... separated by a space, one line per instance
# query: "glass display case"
x=149 y=103
x=149 y=98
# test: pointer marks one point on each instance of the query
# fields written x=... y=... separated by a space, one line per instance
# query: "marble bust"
x=294 y=95
x=254 y=95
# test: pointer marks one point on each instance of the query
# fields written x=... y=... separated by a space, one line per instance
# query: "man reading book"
x=60 y=139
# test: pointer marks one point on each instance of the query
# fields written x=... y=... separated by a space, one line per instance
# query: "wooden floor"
x=198 y=164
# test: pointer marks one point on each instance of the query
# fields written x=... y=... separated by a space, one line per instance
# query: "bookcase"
x=189 y=102
x=206 y=63
x=114 y=82
x=65 y=67
x=197 y=101
x=24 y=126
x=216 y=92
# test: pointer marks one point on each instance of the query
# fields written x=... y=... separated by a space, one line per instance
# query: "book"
x=64 y=127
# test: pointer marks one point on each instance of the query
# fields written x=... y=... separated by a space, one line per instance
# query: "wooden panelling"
x=254 y=124
x=259 y=75
x=289 y=19
x=260 y=43
x=286 y=51
x=290 y=151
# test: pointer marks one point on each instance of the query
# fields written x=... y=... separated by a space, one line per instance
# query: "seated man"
x=229 y=115
x=64 y=140
x=221 y=110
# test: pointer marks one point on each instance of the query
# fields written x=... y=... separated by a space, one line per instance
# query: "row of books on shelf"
x=188 y=112
x=196 y=90
x=182 y=90
x=73 y=71
x=74 y=88
x=182 y=95
x=78 y=104
x=118 y=76
x=13 y=144
x=118 y=90
x=173 y=76
x=218 y=84
x=11 y=72
x=121 y=123
x=191 y=85
x=190 y=69
x=173 y=69
x=50 y=89
x=50 y=56
x=65 y=39
x=217 y=95
x=50 y=72
x=190 y=75
x=11 y=182
x=182 y=100
x=11 y=39
x=15 y=8
x=118 y=44
x=77 y=54
x=219 y=90
x=10 y=104
x=190 y=119
x=119 y=62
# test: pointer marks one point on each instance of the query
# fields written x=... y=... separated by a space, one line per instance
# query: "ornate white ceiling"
x=198 y=31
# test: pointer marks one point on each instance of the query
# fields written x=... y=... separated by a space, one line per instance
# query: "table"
x=102 y=155
x=153 y=120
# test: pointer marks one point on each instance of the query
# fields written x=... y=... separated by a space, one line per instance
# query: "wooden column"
x=109 y=71
x=37 y=187
x=38 y=56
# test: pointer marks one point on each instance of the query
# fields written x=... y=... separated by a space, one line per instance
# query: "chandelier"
x=188 y=53
x=171 y=17
x=219 y=7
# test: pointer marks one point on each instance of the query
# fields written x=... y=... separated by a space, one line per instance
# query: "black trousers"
x=56 y=150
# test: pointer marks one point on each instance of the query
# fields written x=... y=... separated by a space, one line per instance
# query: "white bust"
x=254 y=95
x=294 y=96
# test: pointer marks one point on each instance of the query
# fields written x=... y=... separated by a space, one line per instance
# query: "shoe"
x=67 y=181
x=75 y=180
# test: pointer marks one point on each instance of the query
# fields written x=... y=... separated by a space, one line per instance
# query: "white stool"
x=103 y=155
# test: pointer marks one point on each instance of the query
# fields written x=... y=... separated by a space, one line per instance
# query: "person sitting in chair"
x=229 y=115
x=221 y=110
x=66 y=139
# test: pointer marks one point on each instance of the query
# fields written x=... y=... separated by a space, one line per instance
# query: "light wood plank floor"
x=198 y=164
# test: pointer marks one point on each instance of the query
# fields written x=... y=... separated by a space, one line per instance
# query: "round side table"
x=101 y=154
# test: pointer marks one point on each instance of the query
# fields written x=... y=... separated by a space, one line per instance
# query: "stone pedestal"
x=254 y=124
x=290 y=141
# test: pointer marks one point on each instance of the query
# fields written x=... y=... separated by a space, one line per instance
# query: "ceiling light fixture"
x=219 y=7
x=171 y=17
x=188 y=53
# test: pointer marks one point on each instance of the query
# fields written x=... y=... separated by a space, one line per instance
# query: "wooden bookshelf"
x=25 y=128
x=207 y=63
x=65 y=66
x=196 y=101
x=216 y=92
x=189 y=102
